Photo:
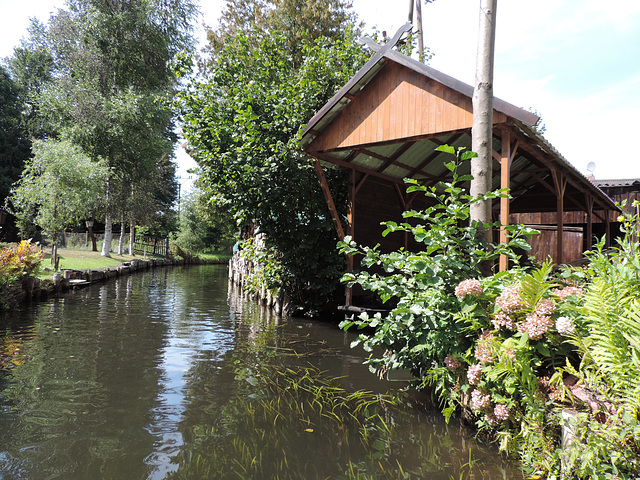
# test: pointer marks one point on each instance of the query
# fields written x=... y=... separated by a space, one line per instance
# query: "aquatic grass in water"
x=294 y=423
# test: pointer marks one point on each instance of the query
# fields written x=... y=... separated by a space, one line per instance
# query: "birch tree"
x=482 y=131
x=112 y=83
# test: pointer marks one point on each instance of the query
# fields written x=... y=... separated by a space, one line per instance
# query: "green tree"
x=204 y=225
x=242 y=123
x=482 y=131
x=112 y=83
x=30 y=68
x=15 y=146
x=59 y=187
x=299 y=21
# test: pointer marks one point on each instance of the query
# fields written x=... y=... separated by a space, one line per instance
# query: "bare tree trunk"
x=132 y=224
x=482 y=131
x=108 y=221
x=132 y=236
x=123 y=227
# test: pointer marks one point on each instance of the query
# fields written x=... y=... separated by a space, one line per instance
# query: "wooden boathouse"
x=385 y=124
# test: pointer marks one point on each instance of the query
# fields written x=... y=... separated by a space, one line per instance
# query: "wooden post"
x=560 y=183
x=351 y=216
x=607 y=228
x=589 y=238
x=505 y=182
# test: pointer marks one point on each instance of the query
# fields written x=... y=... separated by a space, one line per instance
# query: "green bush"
x=512 y=351
x=421 y=329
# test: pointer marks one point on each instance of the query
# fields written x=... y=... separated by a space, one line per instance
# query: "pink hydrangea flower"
x=567 y=291
x=535 y=326
x=468 y=287
x=491 y=419
x=501 y=412
x=479 y=400
x=502 y=320
x=451 y=362
x=473 y=374
x=565 y=326
x=509 y=301
x=545 y=307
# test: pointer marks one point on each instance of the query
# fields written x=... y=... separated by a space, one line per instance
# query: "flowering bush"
x=17 y=262
x=504 y=350
x=428 y=285
x=468 y=287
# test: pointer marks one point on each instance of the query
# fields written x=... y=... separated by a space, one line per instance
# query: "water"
x=167 y=374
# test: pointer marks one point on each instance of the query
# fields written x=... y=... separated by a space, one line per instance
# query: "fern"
x=535 y=285
x=612 y=349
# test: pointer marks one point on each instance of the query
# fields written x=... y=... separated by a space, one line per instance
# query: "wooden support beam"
x=327 y=196
x=433 y=137
x=395 y=156
x=560 y=183
x=607 y=228
x=351 y=220
x=362 y=180
x=365 y=170
x=506 y=157
x=404 y=203
x=589 y=202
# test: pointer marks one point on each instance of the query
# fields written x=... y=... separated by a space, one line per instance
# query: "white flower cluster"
x=535 y=326
x=565 y=326
x=479 y=400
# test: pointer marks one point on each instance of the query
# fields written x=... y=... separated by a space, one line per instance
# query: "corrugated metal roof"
x=622 y=182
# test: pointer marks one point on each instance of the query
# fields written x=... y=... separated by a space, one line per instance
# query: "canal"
x=170 y=374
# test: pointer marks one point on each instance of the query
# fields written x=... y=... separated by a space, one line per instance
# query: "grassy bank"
x=81 y=259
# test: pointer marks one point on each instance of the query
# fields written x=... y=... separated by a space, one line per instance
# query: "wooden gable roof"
x=399 y=103
x=388 y=120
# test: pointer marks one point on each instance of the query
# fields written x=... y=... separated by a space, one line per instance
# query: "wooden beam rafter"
x=327 y=196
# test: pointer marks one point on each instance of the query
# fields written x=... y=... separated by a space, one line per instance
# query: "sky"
x=575 y=62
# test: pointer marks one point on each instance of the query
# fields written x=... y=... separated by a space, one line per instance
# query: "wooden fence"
x=151 y=246
x=143 y=244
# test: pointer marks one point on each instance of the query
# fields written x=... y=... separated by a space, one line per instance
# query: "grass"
x=214 y=257
x=82 y=259
x=77 y=259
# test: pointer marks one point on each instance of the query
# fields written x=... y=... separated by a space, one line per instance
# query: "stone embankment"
x=34 y=288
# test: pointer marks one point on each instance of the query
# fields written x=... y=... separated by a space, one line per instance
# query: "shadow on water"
x=169 y=374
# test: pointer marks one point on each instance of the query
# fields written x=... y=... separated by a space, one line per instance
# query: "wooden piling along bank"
x=241 y=271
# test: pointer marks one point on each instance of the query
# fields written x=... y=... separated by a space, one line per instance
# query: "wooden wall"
x=398 y=104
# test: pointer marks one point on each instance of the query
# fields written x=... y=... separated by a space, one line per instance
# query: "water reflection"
x=170 y=374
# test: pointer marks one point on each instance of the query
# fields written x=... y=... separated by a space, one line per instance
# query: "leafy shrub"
x=419 y=332
x=19 y=260
x=513 y=350
x=16 y=263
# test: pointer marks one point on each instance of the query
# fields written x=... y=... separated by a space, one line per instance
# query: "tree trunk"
x=108 y=220
x=123 y=227
x=482 y=131
x=132 y=236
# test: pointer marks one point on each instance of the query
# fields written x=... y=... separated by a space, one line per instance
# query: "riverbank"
x=49 y=282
